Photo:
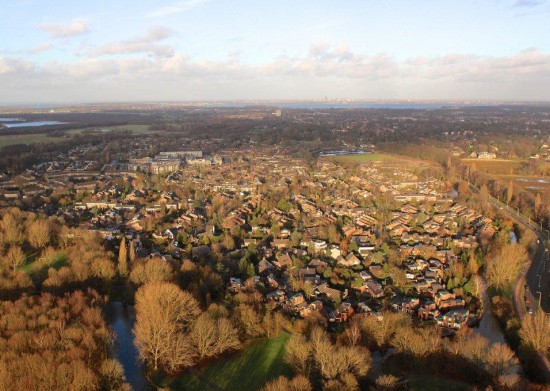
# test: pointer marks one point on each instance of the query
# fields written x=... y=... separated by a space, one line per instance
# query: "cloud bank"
x=144 y=69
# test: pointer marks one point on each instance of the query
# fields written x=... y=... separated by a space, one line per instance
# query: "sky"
x=67 y=51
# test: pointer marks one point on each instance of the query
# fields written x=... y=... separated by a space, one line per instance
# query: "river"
x=488 y=326
x=120 y=320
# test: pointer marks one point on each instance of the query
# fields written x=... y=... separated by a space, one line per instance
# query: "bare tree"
x=132 y=252
x=299 y=383
x=474 y=348
x=298 y=354
x=163 y=313
x=535 y=331
x=249 y=320
x=505 y=264
x=12 y=229
x=335 y=361
x=500 y=358
x=212 y=336
x=322 y=353
x=484 y=194
x=510 y=192
x=38 y=233
x=152 y=270
x=352 y=334
x=122 y=258
x=387 y=382
x=379 y=330
x=15 y=257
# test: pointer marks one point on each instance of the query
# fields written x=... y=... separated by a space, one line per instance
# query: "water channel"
x=121 y=319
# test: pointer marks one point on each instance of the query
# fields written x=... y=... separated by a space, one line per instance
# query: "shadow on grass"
x=248 y=369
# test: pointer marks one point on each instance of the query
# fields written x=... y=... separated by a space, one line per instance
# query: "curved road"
x=534 y=278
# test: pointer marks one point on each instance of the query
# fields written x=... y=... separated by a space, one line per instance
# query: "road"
x=534 y=278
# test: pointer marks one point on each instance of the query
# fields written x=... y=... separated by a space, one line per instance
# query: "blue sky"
x=124 y=50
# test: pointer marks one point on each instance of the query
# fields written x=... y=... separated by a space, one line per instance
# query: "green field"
x=249 y=369
x=35 y=266
x=28 y=139
x=39 y=138
x=138 y=129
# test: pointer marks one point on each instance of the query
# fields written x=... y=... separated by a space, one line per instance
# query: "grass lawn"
x=247 y=370
x=33 y=266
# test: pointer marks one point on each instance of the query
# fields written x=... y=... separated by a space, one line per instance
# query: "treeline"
x=18 y=157
x=43 y=254
x=329 y=362
x=504 y=263
x=57 y=343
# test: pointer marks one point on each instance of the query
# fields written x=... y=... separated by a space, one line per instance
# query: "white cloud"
x=527 y=3
x=41 y=48
x=145 y=44
x=176 y=8
x=14 y=66
x=77 y=27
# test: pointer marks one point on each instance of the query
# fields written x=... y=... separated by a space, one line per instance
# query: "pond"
x=121 y=319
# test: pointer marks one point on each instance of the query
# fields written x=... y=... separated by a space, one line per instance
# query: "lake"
x=343 y=152
x=11 y=124
x=121 y=319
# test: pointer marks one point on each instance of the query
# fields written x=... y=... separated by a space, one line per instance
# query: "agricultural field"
x=497 y=166
x=518 y=171
x=532 y=184
x=39 y=138
x=249 y=369
x=386 y=160
x=366 y=157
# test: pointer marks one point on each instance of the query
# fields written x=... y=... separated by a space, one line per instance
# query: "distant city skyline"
x=203 y=50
